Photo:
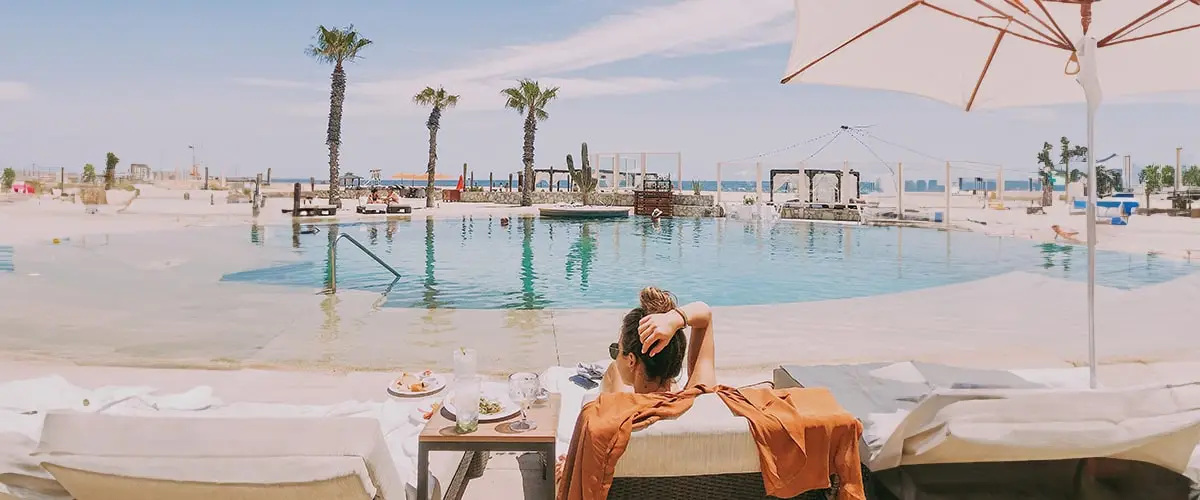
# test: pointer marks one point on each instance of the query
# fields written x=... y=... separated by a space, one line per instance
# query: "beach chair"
x=935 y=431
x=372 y=208
x=99 y=456
x=707 y=452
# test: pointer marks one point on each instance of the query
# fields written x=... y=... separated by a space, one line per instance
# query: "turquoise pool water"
x=477 y=263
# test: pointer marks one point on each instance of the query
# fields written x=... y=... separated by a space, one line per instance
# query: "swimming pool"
x=478 y=263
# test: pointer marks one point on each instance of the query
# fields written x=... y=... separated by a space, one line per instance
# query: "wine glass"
x=523 y=388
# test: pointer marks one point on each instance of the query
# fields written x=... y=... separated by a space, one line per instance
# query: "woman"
x=652 y=347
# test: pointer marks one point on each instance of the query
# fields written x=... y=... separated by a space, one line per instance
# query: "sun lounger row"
x=930 y=432
x=383 y=208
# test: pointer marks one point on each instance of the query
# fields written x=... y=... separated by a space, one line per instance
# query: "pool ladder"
x=333 y=260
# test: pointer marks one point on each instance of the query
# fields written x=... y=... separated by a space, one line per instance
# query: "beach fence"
x=901 y=190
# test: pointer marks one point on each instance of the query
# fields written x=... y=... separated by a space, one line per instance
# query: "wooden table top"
x=440 y=428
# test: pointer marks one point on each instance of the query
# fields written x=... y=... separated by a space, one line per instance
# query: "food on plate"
x=409 y=382
x=489 y=407
x=433 y=409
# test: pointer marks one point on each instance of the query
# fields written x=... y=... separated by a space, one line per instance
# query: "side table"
x=440 y=434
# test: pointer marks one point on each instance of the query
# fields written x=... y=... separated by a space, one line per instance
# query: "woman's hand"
x=656 y=331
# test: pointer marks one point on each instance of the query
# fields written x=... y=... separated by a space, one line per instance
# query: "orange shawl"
x=788 y=425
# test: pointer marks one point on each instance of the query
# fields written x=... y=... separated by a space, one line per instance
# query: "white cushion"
x=223 y=450
x=708 y=439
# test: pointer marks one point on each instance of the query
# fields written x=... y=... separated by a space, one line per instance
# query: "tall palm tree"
x=336 y=46
x=439 y=100
x=529 y=99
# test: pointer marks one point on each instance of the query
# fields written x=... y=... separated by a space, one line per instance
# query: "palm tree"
x=439 y=100
x=529 y=99
x=336 y=46
x=110 y=170
x=1046 y=174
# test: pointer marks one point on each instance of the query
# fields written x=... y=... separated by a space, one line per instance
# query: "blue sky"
x=145 y=79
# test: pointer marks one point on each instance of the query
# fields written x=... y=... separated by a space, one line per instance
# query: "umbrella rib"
x=1122 y=30
x=1009 y=18
x=986 y=25
x=1058 y=29
x=986 y=65
x=1153 y=35
x=876 y=26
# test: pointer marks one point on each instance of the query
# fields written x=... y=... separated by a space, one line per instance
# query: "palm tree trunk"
x=527 y=158
x=431 y=169
x=333 y=135
x=1047 y=194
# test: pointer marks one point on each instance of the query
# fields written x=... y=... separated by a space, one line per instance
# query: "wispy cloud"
x=15 y=91
x=682 y=28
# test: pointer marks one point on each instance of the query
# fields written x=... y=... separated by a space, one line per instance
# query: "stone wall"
x=686 y=205
x=830 y=214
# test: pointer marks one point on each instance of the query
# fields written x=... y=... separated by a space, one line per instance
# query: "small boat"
x=583 y=212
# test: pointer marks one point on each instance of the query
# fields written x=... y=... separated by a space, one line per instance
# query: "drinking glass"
x=466 y=403
x=464 y=362
x=523 y=388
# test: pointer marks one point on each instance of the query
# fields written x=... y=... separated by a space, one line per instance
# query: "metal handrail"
x=333 y=260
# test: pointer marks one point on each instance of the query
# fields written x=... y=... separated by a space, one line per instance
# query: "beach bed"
x=935 y=431
x=313 y=211
x=383 y=208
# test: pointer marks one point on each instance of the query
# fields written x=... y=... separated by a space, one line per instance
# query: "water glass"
x=464 y=362
x=523 y=387
x=466 y=403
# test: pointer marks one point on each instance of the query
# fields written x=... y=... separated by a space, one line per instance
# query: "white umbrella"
x=1003 y=53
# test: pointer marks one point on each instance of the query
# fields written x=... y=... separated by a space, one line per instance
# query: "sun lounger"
x=706 y=453
x=397 y=208
x=1002 y=436
x=97 y=456
x=313 y=210
x=372 y=208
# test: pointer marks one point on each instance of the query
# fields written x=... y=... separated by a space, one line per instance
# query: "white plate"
x=433 y=383
x=494 y=391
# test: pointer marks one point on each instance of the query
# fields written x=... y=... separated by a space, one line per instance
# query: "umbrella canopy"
x=978 y=54
x=1003 y=53
x=420 y=176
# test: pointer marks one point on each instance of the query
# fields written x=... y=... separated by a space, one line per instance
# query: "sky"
x=146 y=79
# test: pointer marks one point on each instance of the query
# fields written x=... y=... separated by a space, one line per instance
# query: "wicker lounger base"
x=747 y=486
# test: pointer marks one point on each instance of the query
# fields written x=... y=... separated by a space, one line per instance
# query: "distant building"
x=140 y=173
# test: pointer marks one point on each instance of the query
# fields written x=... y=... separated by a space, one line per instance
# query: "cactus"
x=583 y=178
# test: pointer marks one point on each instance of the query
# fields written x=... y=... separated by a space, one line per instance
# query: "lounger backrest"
x=113 y=456
x=708 y=439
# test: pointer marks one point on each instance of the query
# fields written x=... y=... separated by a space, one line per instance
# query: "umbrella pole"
x=1091 y=88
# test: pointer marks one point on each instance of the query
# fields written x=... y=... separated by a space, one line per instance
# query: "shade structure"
x=978 y=54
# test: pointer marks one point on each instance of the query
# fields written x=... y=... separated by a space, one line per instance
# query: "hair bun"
x=655 y=300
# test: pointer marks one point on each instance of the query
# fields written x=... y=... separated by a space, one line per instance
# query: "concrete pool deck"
x=1013 y=320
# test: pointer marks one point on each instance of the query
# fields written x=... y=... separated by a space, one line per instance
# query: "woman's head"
x=632 y=363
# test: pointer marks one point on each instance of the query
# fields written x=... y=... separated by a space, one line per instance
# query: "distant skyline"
x=147 y=79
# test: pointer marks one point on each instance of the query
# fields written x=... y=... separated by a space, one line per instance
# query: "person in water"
x=656 y=340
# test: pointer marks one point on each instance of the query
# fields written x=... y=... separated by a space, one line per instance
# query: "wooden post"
x=472 y=184
x=946 y=216
x=510 y=183
x=679 y=170
x=268 y=176
x=205 y=178
x=295 y=199
x=616 y=171
x=62 y=179
x=257 y=195
x=464 y=177
x=312 y=185
x=1000 y=186
x=900 y=191
x=490 y=184
x=642 y=180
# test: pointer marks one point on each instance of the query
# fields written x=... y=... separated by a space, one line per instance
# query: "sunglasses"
x=614 y=350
